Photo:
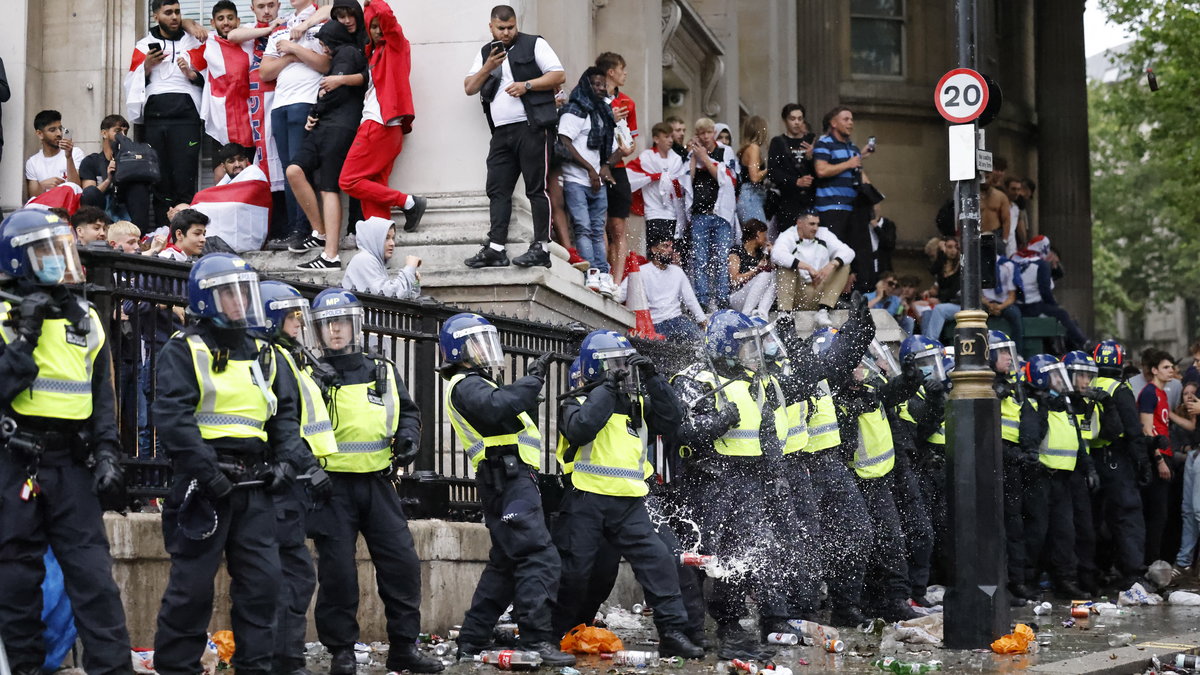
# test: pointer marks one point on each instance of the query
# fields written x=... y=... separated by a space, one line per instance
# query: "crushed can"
x=790 y=639
x=690 y=559
x=834 y=646
x=741 y=666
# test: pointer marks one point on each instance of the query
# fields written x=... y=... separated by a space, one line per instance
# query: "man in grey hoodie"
x=367 y=271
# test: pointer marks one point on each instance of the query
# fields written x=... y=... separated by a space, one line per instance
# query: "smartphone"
x=496 y=44
x=871 y=144
x=66 y=133
x=809 y=138
x=156 y=46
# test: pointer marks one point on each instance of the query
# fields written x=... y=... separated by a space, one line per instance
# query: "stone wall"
x=452 y=558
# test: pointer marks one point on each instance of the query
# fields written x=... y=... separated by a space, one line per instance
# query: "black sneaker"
x=898 y=610
x=343 y=662
x=551 y=656
x=535 y=256
x=320 y=263
x=675 y=643
x=406 y=657
x=487 y=257
x=848 y=617
x=412 y=217
x=302 y=244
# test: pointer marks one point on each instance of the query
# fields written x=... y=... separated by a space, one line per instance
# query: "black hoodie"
x=343 y=106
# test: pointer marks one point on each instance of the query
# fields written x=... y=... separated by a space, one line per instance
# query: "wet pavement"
x=1056 y=643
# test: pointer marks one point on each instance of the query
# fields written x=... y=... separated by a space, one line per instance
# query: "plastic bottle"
x=783 y=639
x=891 y=665
x=638 y=659
x=1120 y=640
x=1187 y=661
x=509 y=659
x=814 y=631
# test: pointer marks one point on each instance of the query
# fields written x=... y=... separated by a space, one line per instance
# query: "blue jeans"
x=679 y=328
x=751 y=202
x=588 y=209
x=712 y=236
x=287 y=128
x=1191 y=510
x=936 y=318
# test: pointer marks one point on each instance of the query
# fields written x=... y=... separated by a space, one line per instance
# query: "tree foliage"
x=1145 y=146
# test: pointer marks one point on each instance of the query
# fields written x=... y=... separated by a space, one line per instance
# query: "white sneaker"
x=607 y=286
x=822 y=318
x=592 y=279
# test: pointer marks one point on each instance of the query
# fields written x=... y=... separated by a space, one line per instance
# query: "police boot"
x=1067 y=589
x=768 y=625
x=1018 y=590
x=675 y=643
x=467 y=652
x=898 y=610
x=735 y=643
x=406 y=657
x=342 y=662
x=551 y=655
x=699 y=639
x=848 y=617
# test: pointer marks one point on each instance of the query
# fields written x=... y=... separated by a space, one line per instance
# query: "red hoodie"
x=390 y=66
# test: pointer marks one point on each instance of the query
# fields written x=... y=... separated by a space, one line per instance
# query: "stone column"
x=819 y=37
x=1064 y=191
x=14 y=45
x=766 y=57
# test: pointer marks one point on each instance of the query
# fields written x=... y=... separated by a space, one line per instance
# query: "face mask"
x=771 y=349
x=53 y=268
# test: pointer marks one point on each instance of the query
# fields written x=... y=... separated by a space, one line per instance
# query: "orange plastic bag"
x=223 y=639
x=584 y=639
x=1016 y=642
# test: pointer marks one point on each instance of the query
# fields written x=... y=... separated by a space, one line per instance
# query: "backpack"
x=136 y=162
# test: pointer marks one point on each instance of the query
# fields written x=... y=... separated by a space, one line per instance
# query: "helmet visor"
x=754 y=342
x=481 y=346
x=614 y=359
x=883 y=360
x=1057 y=378
x=235 y=299
x=1004 y=357
x=52 y=256
x=295 y=322
x=1082 y=375
x=339 y=330
x=931 y=365
x=868 y=369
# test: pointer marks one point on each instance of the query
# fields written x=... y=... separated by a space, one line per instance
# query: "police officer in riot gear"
x=1085 y=481
x=378 y=431
x=503 y=444
x=226 y=415
x=1002 y=354
x=59 y=451
x=608 y=430
x=289 y=328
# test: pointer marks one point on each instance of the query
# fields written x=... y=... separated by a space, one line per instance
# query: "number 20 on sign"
x=961 y=95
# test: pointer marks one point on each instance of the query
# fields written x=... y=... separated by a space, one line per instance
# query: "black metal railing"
x=143 y=300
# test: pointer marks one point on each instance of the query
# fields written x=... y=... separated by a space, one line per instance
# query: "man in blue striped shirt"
x=838 y=164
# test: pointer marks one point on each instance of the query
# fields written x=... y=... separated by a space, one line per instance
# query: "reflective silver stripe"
x=872 y=461
x=317 y=428
x=1059 y=453
x=51 y=385
x=1011 y=424
x=215 y=420
x=742 y=434
x=365 y=446
x=474 y=446
x=475 y=450
x=607 y=471
x=796 y=431
x=389 y=403
x=527 y=440
x=823 y=429
x=208 y=389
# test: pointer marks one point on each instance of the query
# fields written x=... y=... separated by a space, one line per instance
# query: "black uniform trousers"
x=1014 y=521
x=846 y=530
x=915 y=523
x=800 y=531
x=1085 y=532
x=929 y=465
x=518 y=150
x=66 y=517
x=245 y=536
x=735 y=525
x=523 y=566
x=1120 y=513
x=298 y=582
x=1049 y=523
x=365 y=503
x=587 y=521
x=887 y=569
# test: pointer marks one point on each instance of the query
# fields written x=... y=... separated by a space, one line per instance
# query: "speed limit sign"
x=961 y=95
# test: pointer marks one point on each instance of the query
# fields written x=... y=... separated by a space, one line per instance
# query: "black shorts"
x=323 y=153
x=619 y=196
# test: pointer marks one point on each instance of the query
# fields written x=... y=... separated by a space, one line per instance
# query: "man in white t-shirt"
x=57 y=161
x=669 y=294
x=515 y=75
x=296 y=68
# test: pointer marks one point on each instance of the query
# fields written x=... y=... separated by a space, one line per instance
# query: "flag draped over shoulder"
x=135 y=79
x=65 y=196
x=262 y=95
x=239 y=210
x=225 y=106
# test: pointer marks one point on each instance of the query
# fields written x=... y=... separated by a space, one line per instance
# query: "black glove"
x=908 y=368
x=727 y=418
x=110 y=484
x=1098 y=395
x=218 y=486
x=404 y=454
x=858 y=306
x=277 y=477
x=1032 y=458
x=1013 y=454
x=1092 y=480
x=319 y=485
x=643 y=364
x=934 y=389
x=34 y=309
x=614 y=377
x=324 y=375
x=539 y=366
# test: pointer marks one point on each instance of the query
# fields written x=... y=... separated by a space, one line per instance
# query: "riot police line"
x=815 y=464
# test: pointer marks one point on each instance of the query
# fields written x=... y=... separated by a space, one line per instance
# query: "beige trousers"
x=797 y=293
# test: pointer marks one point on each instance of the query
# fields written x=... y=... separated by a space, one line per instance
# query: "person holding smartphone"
x=789 y=164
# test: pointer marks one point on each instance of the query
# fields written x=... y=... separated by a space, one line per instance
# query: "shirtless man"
x=994 y=206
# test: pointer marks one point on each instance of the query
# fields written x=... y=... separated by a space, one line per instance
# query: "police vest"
x=938 y=437
x=823 y=430
x=615 y=462
x=1010 y=420
x=797 y=431
x=742 y=440
x=1110 y=387
x=364 y=424
x=315 y=427
x=236 y=402
x=1089 y=425
x=65 y=361
x=528 y=440
x=1060 y=447
x=875 y=454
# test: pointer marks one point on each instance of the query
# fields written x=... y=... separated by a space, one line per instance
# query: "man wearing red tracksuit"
x=387 y=117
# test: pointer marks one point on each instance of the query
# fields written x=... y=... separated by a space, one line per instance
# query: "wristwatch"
x=528 y=85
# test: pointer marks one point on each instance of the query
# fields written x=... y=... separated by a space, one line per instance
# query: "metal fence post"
x=424 y=391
